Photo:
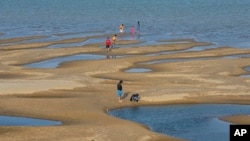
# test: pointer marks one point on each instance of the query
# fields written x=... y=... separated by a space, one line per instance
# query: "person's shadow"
x=125 y=95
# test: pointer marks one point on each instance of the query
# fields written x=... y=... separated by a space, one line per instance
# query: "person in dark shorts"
x=119 y=90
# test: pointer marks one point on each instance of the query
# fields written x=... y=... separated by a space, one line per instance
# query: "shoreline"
x=78 y=93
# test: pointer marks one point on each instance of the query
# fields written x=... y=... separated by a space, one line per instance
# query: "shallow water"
x=138 y=70
x=23 y=121
x=190 y=122
x=246 y=75
x=198 y=58
x=53 y=63
x=247 y=68
x=223 y=22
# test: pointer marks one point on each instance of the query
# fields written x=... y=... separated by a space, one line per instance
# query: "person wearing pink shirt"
x=132 y=30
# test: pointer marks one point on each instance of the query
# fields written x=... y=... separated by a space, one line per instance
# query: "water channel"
x=24 y=121
x=189 y=122
x=55 y=62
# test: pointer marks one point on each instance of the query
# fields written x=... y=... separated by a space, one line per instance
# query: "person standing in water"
x=121 y=28
x=119 y=90
x=132 y=30
x=114 y=38
x=138 y=27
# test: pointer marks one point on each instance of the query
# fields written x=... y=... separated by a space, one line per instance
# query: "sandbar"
x=79 y=93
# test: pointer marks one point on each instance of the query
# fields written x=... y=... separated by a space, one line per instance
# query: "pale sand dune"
x=80 y=93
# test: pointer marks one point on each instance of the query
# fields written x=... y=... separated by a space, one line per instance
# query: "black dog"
x=134 y=97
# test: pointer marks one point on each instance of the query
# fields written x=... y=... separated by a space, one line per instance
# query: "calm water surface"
x=134 y=70
x=190 y=122
x=23 y=121
x=223 y=22
x=55 y=62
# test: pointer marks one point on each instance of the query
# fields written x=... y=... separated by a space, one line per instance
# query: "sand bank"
x=79 y=93
x=237 y=119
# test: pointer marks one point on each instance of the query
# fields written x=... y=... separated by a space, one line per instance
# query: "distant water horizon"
x=224 y=22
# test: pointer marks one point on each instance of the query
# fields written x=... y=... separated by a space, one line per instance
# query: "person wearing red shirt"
x=108 y=44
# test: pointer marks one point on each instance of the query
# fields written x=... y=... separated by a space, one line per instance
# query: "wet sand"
x=80 y=93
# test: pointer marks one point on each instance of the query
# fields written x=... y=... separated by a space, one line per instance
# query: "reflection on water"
x=22 y=121
x=110 y=56
x=191 y=122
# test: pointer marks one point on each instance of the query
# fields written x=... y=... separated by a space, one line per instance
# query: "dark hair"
x=120 y=81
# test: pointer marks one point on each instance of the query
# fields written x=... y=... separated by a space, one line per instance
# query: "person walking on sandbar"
x=119 y=90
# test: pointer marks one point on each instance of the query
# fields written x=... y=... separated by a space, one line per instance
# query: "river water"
x=223 y=22
x=190 y=122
